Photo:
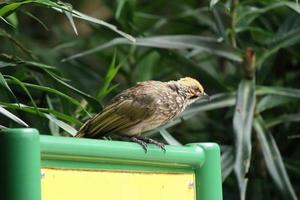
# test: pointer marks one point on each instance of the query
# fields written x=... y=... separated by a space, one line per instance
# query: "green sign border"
x=24 y=151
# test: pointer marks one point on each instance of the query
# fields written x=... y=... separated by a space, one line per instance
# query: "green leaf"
x=273 y=159
x=92 y=101
x=6 y=86
x=54 y=128
x=283 y=39
x=168 y=137
x=271 y=101
x=294 y=137
x=213 y=3
x=70 y=16
x=11 y=116
x=32 y=110
x=227 y=160
x=61 y=7
x=10 y=7
x=283 y=119
x=23 y=86
x=7 y=22
x=280 y=91
x=13 y=19
x=6 y=64
x=65 y=8
x=2 y=127
x=62 y=124
x=242 y=126
x=111 y=73
x=173 y=42
x=247 y=14
x=38 y=20
x=13 y=39
x=145 y=66
x=49 y=90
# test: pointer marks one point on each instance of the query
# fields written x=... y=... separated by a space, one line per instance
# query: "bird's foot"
x=151 y=141
x=140 y=142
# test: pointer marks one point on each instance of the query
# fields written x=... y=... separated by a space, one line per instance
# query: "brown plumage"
x=143 y=107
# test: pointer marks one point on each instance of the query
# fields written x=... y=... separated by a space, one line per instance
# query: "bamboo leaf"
x=273 y=159
x=242 y=126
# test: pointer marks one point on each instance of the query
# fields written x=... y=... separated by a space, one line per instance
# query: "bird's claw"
x=151 y=141
x=140 y=142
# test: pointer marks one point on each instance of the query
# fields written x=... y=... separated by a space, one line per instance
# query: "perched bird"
x=143 y=107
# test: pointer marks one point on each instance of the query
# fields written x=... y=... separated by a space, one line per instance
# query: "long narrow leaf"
x=54 y=128
x=271 y=101
x=227 y=160
x=242 y=125
x=53 y=91
x=169 y=138
x=12 y=116
x=283 y=119
x=72 y=131
x=287 y=92
x=64 y=8
x=273 y=159
x=6 y=86
x=61 y=7
x=32 y=110
x=92 y=101
x=178 y=42
x=23 y=86
x=111 y=73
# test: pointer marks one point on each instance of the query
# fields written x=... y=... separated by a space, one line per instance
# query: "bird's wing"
x=115 y=118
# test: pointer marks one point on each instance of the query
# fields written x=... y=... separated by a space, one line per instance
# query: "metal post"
x=208 y=176
x=20 y=164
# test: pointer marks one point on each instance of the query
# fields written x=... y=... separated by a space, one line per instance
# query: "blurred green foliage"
x=58 y=67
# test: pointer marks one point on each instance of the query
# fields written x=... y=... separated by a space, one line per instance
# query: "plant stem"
x=232 y=22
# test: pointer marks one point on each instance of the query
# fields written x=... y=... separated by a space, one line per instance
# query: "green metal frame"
x=24 y=152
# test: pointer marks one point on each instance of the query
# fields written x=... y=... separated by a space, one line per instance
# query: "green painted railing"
x=24 y=152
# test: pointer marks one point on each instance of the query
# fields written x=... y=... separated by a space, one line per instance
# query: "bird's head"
x=192 y=89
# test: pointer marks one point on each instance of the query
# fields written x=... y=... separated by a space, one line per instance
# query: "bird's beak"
x=204 y=96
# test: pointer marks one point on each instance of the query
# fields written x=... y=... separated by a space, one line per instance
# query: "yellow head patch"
x=190 y=82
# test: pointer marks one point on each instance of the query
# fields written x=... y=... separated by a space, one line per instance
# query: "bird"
x=143 y=107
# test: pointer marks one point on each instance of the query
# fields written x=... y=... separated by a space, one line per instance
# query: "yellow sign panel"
x=62 y=184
